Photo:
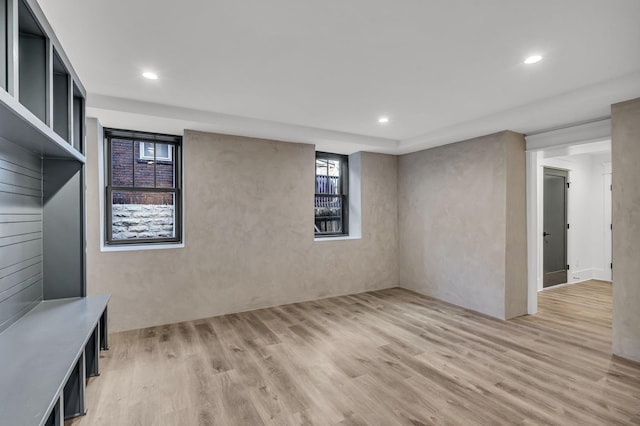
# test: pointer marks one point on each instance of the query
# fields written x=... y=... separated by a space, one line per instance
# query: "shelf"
x=22 y=127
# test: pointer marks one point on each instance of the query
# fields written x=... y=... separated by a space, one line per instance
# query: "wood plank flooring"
x=388 y=357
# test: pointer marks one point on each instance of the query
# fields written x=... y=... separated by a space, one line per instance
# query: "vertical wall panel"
x=20 y=232
x=625 y=156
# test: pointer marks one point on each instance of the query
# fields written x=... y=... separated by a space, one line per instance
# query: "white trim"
x=572 y=283
x=532 y=188
x=355 y=196
x=561 y=285
x=350 y=237
x=135 y=247
x=595 y=131
x=580 y=276
x=156 y=157
x=602 y=274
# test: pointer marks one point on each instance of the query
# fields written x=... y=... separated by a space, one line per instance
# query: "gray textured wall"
x=249 y=236
x=625 y=158
x=460 y=207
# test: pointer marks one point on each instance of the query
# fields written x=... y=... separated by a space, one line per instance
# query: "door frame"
x=568 y=139
x=566 y=174
x=535 y=225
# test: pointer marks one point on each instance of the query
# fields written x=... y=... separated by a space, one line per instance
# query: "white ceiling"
x=324 y=71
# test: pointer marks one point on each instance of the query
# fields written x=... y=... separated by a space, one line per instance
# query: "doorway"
x=576 y=245
x=555 y=226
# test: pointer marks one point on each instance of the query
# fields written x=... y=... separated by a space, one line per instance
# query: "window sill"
x=137 y=247
x=346 y=237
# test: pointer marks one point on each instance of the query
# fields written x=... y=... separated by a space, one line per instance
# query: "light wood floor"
x=381 y=358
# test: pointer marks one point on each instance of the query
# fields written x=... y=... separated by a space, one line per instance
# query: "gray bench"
x=45 y=358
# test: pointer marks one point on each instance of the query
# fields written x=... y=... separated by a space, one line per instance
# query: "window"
x=155 y=151
x=331 y=203
x=143 y=193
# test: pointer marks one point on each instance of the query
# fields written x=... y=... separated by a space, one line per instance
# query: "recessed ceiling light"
x=532 y=59
x=383 y=120
x=150 y=75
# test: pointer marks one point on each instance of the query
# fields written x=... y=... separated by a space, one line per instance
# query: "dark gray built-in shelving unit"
x=41 y=128
x=50 y=331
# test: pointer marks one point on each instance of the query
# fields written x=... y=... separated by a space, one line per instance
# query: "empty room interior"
x=319 y=213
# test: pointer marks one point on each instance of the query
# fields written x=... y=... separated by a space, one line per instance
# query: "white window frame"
x=156 y=158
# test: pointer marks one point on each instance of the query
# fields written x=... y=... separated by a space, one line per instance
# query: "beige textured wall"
x=460 y=207
x=516 y=290
x=625 y=157
x=249 y=236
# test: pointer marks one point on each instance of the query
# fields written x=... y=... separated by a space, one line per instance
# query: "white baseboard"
x=602 y=274
x=579 y=276
x=582 y=275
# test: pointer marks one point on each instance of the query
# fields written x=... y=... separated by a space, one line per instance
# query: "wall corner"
x=516 y=289
x=625 y=156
